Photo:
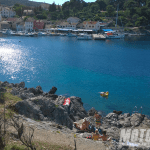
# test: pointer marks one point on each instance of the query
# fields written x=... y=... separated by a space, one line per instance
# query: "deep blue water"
x=82 y=68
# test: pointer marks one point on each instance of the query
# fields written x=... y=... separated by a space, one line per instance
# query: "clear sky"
x=60 y=2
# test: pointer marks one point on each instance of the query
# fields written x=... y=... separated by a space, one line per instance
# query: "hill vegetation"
x=130 y=12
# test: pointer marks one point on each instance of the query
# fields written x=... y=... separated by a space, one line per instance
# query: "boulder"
x=113 y=132
x=2 y=89
x=136 y=119
x=92 y=111
x=14 y=91
x=21 y=84
x=39 y=90
x=112 y=116
x=117 y=112
x=4 y=84
x=53 y=90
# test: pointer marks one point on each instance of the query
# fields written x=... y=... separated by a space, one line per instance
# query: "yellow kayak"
x=104 y=94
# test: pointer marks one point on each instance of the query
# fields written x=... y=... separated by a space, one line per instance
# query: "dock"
x=98 y=37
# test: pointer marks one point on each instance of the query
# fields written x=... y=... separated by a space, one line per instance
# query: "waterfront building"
x=7 y=12
x=29 y=24
x=92 y=25
x=38 y=24
x=20 y=26
x=5 y=25
x=73 y=20
x=67 y=25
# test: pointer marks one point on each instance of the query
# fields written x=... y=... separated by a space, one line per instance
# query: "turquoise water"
x=82 y=68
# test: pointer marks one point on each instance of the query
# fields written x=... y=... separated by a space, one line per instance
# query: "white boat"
x=71 y=35
x=42 y=34
x=114 y=35
x=63 y=34
x=83 y=36
x=7 y=32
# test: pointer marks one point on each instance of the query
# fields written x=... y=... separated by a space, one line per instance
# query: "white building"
x=20 y=26
x=73 y=20
x=7 y=12
x=29 y=24
x=67 y=25
x=92 y=25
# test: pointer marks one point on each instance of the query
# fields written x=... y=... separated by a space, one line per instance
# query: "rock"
x=4 y=84
x=39 y=90
x=14 y=91
x=127 y=122
x=92 y=111
x=85 y=135
x=117 y=112
x=53 y=90
x=11 y=85
x=2 y=89
x=136 y=119
x=112 y=116
x=113 y=132
x=126 y=115
x=21 y=84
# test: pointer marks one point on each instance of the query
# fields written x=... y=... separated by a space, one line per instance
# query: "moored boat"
x=83 y=36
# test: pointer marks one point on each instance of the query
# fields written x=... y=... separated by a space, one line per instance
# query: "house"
x=14 y=22
x=92 y=25
x=38 y=24
x=7 y=12
x=28 y=13
x=45 y=6
x=5 y=25
x=29 y=24
x=73 y=20
x=67 y=25
x=20 y=26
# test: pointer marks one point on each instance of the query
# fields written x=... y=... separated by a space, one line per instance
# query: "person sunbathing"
x=84 y=126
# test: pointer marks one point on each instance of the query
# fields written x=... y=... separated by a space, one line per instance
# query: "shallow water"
x=82 y=68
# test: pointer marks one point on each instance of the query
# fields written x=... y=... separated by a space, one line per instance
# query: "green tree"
x=110 y=10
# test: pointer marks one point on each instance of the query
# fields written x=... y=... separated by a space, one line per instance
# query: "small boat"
x=104 y=94
x=84 y=36
x=71 y=35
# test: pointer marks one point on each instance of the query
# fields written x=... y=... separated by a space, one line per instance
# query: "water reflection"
x=13 y=60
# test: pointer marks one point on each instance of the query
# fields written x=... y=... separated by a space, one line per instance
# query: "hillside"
x=23 y=2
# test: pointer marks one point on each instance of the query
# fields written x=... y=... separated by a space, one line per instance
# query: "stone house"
x=91 y=25
x=20 y=26
x=28 y=13
x=7 y=12
x=29 y=24
x=73 y=20
x=45 y=6
x=38 y=24
x=67 y=25
x=5 y=25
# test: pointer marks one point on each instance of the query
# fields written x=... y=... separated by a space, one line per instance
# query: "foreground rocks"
x=42 y=106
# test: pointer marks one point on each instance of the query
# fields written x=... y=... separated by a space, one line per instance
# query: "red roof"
x=12 y=19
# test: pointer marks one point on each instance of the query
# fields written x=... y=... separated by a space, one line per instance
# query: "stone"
x=112 y=116
x=4 y=84
x=117 y=112
x=53 y=90
x=39 y=90
x=126 y=115
x=127 y=122
x=92 y=111
x=136 y=119
x=21 y=84
x=2 y=89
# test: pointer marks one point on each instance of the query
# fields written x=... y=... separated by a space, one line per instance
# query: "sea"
x=82 y=68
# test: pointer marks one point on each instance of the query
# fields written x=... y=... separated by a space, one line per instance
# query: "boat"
x=84 y=36
x=114 y=35
x=104 y=94
x=71 y=35
x=42 y=34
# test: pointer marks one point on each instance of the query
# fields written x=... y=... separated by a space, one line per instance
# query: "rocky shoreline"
x=46 y=110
